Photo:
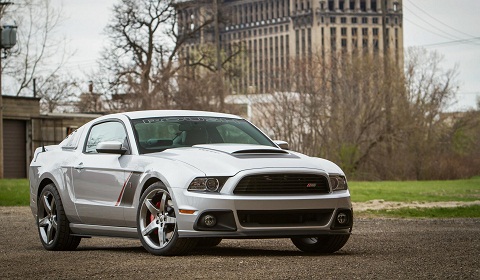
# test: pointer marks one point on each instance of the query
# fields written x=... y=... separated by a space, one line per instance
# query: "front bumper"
x=245 y=216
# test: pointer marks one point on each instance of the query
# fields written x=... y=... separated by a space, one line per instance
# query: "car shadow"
x=219 y=251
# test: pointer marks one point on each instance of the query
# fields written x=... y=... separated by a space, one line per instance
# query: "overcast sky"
x=441 y=25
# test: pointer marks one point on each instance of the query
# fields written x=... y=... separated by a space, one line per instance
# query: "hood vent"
x=243 y=149
x=260 y=151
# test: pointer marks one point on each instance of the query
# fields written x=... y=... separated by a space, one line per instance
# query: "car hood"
x=229 y=159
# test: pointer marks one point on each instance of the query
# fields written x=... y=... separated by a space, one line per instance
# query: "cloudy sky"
x=450 y=27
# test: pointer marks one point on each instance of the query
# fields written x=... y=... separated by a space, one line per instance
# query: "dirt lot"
x=379 y=248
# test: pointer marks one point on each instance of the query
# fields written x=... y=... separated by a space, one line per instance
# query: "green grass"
x=14 y=192
x=408 y=191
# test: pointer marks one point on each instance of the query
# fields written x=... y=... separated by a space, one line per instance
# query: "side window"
x=107 y=131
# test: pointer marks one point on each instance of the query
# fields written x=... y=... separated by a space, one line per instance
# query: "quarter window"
x=71 y=141
x=106 y=131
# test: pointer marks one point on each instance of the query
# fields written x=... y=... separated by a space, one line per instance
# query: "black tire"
x=52 y=223
x=157 y=224
x=321 y=244
x=208 y=242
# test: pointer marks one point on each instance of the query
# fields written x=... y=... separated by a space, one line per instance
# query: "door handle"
x=79 y=166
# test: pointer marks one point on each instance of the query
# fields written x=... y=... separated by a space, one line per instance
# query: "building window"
x=354 y=31
x=344 y=43
x=330 y=5
x=365 y=31
x=333 y=31
x=363 y=6
x=374 y=5
x=364 y=20
x=354 y=20
x=343 y=20
x=343 y=31
x=375 y=32
x=375 y=20
x=332 y=20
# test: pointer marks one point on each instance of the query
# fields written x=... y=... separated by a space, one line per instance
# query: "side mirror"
x=111 y=147
x=282 y=144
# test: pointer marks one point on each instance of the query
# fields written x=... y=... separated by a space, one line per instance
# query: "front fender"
x=173 y=174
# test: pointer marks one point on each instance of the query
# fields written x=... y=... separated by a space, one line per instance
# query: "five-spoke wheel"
x=53 y=225
x=47 y=217
x=157 y=223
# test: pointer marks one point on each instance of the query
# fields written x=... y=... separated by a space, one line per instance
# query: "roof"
x=174 y=113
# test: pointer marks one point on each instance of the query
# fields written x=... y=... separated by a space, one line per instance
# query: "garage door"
x=14 y=149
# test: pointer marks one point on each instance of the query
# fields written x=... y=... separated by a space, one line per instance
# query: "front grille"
x=268 y=218
x=283 y=184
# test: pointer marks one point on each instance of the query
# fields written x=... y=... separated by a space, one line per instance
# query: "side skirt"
x=110 y=231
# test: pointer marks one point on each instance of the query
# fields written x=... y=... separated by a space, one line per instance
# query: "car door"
x=99 y=178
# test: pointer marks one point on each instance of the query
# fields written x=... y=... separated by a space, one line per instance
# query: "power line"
x=463 y=41
x=426 y=29
x=450 y=36
x=439 y=21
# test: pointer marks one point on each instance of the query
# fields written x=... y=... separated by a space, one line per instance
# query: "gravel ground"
x=378 y=249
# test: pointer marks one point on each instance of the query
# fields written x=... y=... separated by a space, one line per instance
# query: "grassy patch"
x=408 y=191
x=457 y=212
x=14 y=192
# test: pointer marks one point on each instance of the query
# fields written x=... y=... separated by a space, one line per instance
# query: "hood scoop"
x=242 y=149
x=259 y=151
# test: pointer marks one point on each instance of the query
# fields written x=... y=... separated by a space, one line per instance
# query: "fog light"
x=209 y=220
x=342 y=218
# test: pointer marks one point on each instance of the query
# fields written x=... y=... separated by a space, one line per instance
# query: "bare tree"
x=146 y=63
x=336 y=109
x=58 y=94
x=38 y=53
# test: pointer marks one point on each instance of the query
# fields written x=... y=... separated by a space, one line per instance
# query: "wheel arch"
x=150 y=181
x=45 y=182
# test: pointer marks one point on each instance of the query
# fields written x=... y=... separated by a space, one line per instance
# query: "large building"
x=275 y=31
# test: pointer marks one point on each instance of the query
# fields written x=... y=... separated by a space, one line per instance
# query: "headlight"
x=207 y=184
x=338 y=183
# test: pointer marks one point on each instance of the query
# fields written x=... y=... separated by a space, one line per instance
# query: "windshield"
x=157 y=134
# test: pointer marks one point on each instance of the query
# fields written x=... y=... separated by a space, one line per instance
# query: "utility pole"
x=387 y=78
x=3 y=5
x=219 y=73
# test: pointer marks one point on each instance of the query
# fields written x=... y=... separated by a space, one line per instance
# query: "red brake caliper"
x=152 y=217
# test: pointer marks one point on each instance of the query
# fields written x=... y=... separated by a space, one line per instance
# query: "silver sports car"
x=178 y=180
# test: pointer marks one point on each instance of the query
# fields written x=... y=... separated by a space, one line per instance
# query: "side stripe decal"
x=125 y=199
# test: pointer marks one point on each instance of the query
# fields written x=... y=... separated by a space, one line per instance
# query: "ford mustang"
x=179 y=180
